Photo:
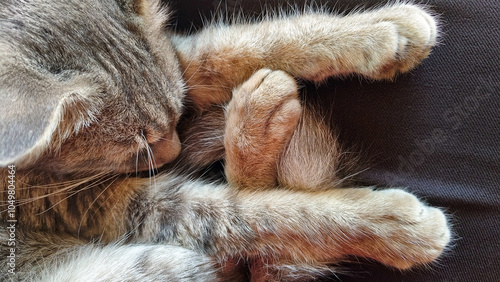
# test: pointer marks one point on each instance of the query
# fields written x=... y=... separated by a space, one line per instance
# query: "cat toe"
x=410 y=232
x=269 y=98
x=416 y=32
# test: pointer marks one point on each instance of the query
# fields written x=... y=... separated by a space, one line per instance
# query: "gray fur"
x=91 y=89
x=90 y=74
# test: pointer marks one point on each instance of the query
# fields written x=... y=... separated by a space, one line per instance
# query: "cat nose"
x=161 y=151
x=166 y=149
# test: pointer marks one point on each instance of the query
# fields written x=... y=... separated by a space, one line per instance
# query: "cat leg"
x=42 y=256
x=134 y=263
x=130 y=263
x=260 y=120
x=259 y=153
x=390 y=226
x=377 y=44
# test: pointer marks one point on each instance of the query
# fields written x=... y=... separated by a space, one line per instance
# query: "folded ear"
x=31 y=109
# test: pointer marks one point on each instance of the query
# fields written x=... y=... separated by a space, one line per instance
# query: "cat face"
x=88 y=90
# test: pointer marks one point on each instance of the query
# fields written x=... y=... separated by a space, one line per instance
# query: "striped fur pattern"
x=99 y=89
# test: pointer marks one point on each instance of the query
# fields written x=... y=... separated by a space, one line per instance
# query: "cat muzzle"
x=161 y=152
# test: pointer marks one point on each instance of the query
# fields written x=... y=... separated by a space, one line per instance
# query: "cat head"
x=87 y=86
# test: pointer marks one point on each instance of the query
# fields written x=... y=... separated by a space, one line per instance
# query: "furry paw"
x=270 y=95
x=408 y=232
x=413 y=33
x=260 y=121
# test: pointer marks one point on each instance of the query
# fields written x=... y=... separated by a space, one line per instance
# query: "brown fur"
x=84 y=106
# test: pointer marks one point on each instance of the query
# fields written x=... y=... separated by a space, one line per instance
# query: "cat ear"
x=31 y=110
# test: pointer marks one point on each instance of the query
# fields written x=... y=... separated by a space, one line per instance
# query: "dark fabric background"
x=435 y=130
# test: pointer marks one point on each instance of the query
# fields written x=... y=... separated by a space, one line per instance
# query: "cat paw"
x=266 y=107
x=408 y=232
x=260 y=120
x=272 y=95
x=414 y=33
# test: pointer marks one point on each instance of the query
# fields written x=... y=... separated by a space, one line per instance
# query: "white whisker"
x=151 y=161
x=99 y=182
x=66 y=188
x=93 y=202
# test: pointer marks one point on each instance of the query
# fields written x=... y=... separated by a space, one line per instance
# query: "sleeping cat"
x=93 y=90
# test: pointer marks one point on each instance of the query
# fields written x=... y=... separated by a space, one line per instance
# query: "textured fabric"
x=435 y=131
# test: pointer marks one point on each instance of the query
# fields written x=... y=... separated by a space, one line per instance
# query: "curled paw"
x=265 y=108
x=412 y=31
x=407 y=232
x=260 y=120
x=266 y=96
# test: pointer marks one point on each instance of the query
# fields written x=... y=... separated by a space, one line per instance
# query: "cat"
x=103 y=90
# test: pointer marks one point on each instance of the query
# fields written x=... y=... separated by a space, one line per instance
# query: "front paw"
x=413 y=33
x=260 y=120
x=407 y=231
